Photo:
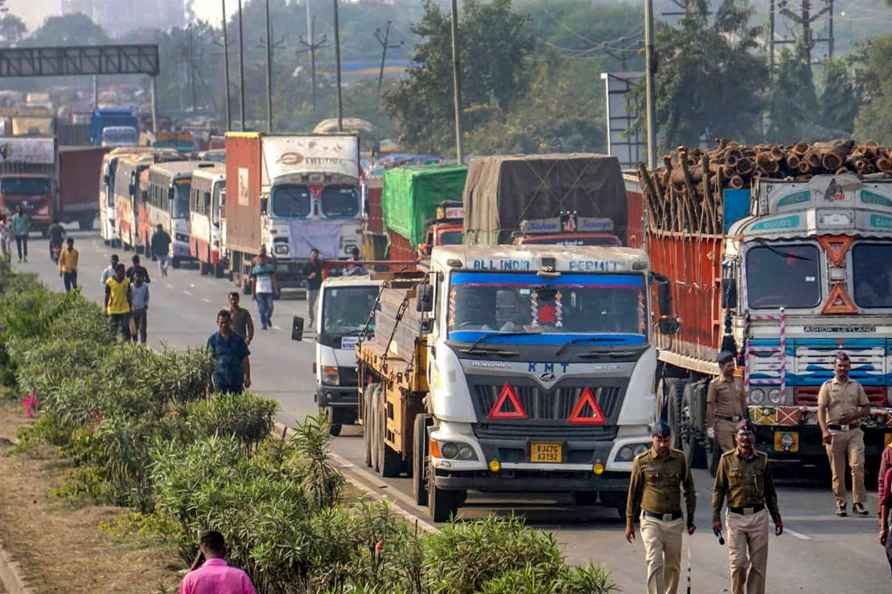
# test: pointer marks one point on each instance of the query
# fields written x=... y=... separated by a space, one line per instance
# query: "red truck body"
x=28 y=178
x=79 y=184
x=243 y=181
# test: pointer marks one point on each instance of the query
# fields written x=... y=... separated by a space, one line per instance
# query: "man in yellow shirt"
x=117 y=302
x=68 y=265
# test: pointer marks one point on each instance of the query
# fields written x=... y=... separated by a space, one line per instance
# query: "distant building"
x=119 y=17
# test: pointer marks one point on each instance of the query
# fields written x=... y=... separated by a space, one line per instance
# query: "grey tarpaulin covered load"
x=503 y=190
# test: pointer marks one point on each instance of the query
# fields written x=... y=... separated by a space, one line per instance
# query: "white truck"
x=514 y=369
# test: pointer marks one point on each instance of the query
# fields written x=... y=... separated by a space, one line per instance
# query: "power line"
x=385 y=45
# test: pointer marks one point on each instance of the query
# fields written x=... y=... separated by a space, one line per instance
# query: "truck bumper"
x=770 y=439
x=337 y=396
x=290 y=274
x=513 y=481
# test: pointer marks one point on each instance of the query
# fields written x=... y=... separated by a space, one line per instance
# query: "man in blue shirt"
x=232 y=366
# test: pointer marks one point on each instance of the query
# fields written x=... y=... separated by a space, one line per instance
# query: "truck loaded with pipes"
x=779 y=255
x=290 y=194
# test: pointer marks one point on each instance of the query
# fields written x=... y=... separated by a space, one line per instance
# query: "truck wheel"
x=617 y=501
x=419 y=460
x=691 y=444
x=674 y=392
x=583 y=498
x=334 y=429
x=390 y=462
x=218 y=269
x=443 y=504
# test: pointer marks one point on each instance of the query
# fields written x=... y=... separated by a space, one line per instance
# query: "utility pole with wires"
x=311 y=48
x=456 y=85
x=385 y=45
x=226 y=69
x=337 y=41
x=650 y=99
x=805 y=19
x=269 y=72
x=241 y=63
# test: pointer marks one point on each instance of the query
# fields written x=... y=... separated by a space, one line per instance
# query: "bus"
x=167 y=204
x=107 y=229
x=128 y=198
x=206 y=212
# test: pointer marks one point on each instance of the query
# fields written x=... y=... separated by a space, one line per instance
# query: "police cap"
x=724 y=357
x=660 y=429
x=745 y=426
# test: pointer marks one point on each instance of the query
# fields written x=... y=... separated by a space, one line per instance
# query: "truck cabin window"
x=180 y=206
x=24 y=185
x=340 y=201
x=291 y=201
x=783 y=276
x=452 y=238
x=872 y=275
x=570 y=304
x=346 y=310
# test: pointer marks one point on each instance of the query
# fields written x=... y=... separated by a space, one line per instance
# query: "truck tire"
x=691 y=444
x=334 y=429
x=443 y=505
x=419 y=460
x=391 y=465
x=673 y=394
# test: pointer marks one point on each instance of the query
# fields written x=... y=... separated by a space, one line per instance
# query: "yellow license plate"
x=786 y=441
x=546 y=452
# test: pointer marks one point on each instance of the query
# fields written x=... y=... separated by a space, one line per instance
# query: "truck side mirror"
x=264 y=204
x=729 y=293
x=425 y=302
x=297 y=328
x=669 y=325
x=664 y=293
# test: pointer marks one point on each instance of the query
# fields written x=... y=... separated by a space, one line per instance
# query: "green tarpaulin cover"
x=412 y=194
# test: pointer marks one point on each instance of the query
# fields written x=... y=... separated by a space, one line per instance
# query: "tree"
x=793 y=104
x=839 y=100
x=12 y=29
x=70 y=29
x=710 y=78
x=495 y=44
x=874 y=121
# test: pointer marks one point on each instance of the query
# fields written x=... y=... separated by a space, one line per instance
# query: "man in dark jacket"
x=160 y=246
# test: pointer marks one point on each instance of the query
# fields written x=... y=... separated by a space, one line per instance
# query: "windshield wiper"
x=582 y=339
x=476 y=344
x=777 y=252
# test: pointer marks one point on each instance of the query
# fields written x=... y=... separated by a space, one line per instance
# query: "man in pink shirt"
x=211 y=574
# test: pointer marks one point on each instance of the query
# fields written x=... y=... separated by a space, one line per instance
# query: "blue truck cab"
x=110 y=117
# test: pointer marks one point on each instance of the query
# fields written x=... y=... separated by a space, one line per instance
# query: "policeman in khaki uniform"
x=842 y=404
x=658 y=477
x=725 y=404
x=743 y=479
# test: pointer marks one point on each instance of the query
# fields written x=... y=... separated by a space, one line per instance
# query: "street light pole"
x=241 y=62
x=226 y=69
x=269 y=73
x=337 y=34
x=456 y=84
x=649 y=84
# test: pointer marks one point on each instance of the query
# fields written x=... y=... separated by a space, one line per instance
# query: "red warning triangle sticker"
x=836 y=247
x=507 y=396
x=586 y=411
x=839 y=302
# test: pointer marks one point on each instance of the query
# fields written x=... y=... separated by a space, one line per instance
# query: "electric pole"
x=806 y=20
x=226 y=69
x=269 y=73
x=311 y=49
x=241 y=63
x=385 y=45
x=649 y=84
x=456 y=85
x=337 y=35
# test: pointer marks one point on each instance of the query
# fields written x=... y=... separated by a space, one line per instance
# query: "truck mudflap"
x=524 y=481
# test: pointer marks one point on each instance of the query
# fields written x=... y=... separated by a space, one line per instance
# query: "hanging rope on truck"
x=396 y=323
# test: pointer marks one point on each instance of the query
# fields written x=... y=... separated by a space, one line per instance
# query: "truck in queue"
x=119 y=118
x=107 y=209
x=783 y=272
x=289 y=195
x=422 y=207
x=345 y=311
x=513 y=369
x=567 y=228
x=28 y=179
x=205 y=212
x=79 y=184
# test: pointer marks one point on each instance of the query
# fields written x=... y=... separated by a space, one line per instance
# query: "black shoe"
x=858 y=508
x=841 y=510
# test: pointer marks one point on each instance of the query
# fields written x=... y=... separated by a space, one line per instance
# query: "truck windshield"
x=340 y=201
x=873 y=276
x=180 y=206
x=345 y=310
x=120 y=136
x=452 y=238
x=291 y=201
x=24 y=185
x=783 y=276
x=551 y=310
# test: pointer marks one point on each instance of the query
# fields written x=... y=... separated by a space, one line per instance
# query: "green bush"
x=588 y=579
x=247 y=417
x=464 y=556
x=526 y=580
x=311 y=440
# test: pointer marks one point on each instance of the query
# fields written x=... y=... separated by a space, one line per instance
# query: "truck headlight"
x=627 y=453
x=775 y=396
x=330 y=375
x=281 y=248
x=757 y=396
x=452 y=450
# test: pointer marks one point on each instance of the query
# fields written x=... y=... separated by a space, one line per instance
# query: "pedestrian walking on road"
x=210 y=574
x=313 y=273
x=68 y=258
x=5 y=236
x=56 y=234
x=139 y=296
x=137 y=267
x=21 y=227
x=725 y=404
x=232 y=363
x=885 y=488
x=118 y=300
x=263 y=287
x=659 y=476
x=160 y=246
x=743 y=479
x=242 y=324
x=842 y=404
x=109 y=270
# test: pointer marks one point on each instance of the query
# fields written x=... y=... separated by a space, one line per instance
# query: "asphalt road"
x=818 y=553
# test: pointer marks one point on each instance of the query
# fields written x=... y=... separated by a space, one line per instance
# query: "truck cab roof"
x=350 y=281
x=532 y=258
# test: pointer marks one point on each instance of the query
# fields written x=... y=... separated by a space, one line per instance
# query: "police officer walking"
x=725 y=404
x=743 y=479
x=658 y=477
x=842 y=404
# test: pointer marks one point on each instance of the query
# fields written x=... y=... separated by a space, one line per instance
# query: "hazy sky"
x=34 y=11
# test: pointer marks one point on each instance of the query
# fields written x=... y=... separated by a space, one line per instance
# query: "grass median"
x=142 y=430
